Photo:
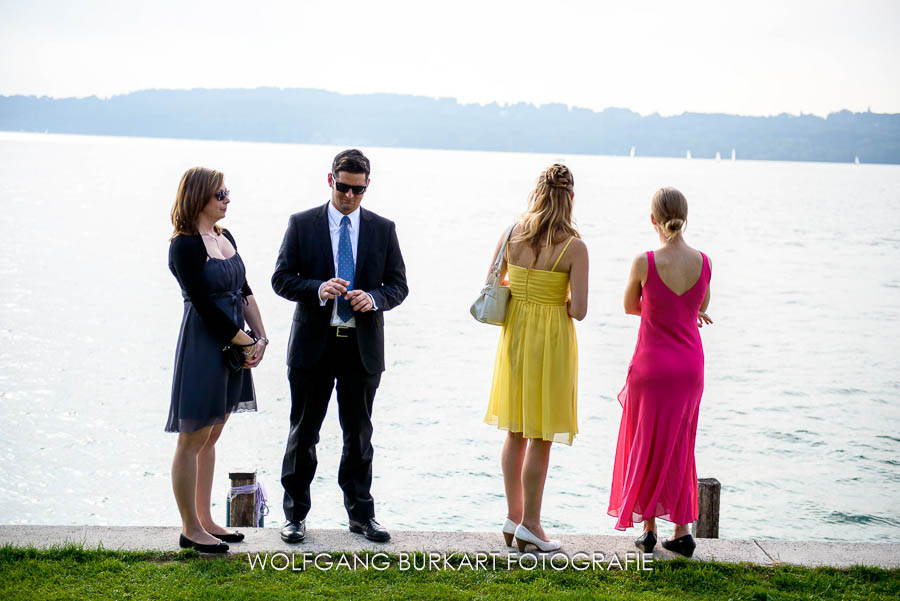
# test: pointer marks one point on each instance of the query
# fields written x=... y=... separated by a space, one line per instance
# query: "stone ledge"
x=260 y=540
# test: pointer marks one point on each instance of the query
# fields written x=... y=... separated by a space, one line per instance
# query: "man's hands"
x=333 y=288
x=337 y=287
x=359 y=300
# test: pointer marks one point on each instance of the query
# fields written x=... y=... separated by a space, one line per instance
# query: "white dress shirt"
x=334 y=227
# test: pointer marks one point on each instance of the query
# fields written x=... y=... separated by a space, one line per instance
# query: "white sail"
x=856 y=160
x=733 y=154
x=688 y=155
x=718 y=157
x=632 y=152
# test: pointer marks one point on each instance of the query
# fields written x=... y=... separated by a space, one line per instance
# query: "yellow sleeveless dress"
x=535 y=386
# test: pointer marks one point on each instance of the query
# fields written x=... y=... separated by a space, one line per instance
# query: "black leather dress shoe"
x=371 y=529
x=294 y=532
x=684 y=545
x=230 y=537
x=186 y=543
x=646 y=542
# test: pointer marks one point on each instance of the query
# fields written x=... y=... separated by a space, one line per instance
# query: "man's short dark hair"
x=350 y=161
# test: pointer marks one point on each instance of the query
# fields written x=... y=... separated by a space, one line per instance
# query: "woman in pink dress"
x=654 y=473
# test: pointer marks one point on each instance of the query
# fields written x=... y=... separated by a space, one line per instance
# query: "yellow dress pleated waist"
x=538 y=285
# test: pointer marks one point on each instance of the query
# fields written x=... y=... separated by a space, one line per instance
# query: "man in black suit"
x=342 y=265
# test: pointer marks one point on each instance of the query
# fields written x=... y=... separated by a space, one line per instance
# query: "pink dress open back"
x=654 y=473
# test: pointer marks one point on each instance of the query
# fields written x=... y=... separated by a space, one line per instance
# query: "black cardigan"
x=187 y=256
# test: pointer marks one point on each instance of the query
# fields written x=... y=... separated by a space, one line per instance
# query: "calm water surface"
x=799 y=420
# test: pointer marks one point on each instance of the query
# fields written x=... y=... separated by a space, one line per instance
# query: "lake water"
x=799 y=419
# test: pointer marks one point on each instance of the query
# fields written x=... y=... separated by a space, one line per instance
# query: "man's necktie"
x=345 y=268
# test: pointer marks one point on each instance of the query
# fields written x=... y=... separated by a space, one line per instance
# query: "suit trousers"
x=310 y=394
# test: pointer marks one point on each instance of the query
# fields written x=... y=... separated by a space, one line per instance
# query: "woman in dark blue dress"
x=205 y=390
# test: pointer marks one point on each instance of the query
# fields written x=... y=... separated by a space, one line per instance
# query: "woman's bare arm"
x=702 y=317
x=503 y=266
x=253 y=318
x=636 y=276
x=578 y=279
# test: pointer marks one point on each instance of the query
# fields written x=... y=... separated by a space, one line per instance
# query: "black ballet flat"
x=230 y=537
x=683 y=546
x=186 y=543
x=646 y=542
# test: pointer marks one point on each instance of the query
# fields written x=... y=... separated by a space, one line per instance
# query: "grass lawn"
x=75 y=573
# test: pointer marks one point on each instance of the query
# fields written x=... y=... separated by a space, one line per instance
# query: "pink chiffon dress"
x=654 y=473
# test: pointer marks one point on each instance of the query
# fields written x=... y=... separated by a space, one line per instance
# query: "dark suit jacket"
x=305 y=260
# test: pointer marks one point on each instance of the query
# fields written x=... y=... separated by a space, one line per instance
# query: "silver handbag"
x=490 y=306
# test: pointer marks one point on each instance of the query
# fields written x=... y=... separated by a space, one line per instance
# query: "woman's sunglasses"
x=342 y=188
x=222 y=194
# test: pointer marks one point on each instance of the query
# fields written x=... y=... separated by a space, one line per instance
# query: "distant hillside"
x=320 y=117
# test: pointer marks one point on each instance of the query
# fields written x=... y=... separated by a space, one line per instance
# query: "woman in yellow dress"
x=535 y=386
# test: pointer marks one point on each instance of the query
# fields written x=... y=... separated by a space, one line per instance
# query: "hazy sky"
x=759 y=57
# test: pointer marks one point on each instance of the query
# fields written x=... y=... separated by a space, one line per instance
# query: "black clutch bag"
x=234 y=353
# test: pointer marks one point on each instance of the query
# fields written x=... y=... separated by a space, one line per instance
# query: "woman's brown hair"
x=197 y=186
x=670 y=209
x=549 y=214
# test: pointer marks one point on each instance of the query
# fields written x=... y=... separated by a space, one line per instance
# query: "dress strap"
x=651 y=265
x=562 y=253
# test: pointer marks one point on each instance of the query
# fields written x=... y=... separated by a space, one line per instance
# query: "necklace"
x=214 y=237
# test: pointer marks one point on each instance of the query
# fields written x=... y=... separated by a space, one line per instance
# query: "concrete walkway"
x=262 y=540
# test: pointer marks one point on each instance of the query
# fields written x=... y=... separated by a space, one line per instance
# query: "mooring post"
x=242 y=508
x=707 y=525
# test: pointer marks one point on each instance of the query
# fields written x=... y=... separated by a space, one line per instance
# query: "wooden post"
x=707 y=525
x=242 y=511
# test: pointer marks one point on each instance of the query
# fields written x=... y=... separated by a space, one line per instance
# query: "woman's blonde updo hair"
x=669 y=208
x=549 y=214
x=197 y=186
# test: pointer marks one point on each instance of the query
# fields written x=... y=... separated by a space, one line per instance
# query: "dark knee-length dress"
x=204 y=389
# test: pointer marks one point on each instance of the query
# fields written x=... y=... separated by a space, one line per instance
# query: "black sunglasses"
x=222 y=194
x=342 y=188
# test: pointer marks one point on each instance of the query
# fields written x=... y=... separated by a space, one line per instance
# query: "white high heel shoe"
x=524 y=537
x=509 y=531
